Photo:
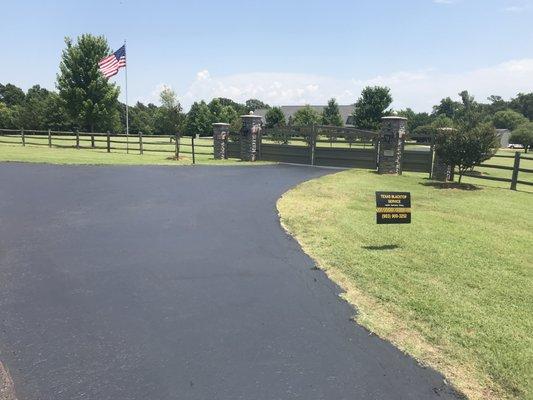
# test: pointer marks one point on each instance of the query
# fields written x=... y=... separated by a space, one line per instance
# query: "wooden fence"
x=516 y=172
x=314 y=145
x=173 y=145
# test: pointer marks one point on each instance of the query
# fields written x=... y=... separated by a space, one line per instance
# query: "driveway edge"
x=7 y=389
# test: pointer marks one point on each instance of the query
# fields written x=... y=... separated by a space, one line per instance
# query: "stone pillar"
x=391 y=143
x=439 y=170
x=250 y=137
x=220 y=135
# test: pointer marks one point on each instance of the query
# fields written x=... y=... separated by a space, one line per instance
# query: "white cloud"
x=202 y=75
x=419 y=90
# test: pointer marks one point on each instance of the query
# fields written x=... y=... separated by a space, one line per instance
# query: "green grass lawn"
x=454 y=288
x=37 y=150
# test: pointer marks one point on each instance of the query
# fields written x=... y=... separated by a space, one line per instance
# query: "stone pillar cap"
x=250 y=116
x=220 y=124
x=394 y=117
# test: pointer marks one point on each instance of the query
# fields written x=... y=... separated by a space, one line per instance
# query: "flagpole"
x=127 y=117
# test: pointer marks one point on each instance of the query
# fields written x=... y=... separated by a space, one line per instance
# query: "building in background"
x=289 y=111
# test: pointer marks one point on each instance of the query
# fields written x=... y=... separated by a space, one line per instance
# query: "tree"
x=414 y=119
x=6 y=117
x=142 y=118
x=523 y=103
x=306 y=116
x=11 y=95
x=254 y=104
x=274 y=117
x=470 y=113
x=497 y=103
x=523 y=135
x=90 y=100
x=508 y=119
x=168 y=117
x=371 y=106
x=228 y=115
x=447 y=107
x=466 y=147
x=199 y=119
x=331 y=114
x=33 y=112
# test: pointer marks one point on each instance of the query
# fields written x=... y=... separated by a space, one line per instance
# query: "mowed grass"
x=454 y=288
x=37 y=150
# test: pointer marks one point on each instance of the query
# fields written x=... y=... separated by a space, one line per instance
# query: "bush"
x=466 y=147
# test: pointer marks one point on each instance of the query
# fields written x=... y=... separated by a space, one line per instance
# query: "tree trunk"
x=460 y=176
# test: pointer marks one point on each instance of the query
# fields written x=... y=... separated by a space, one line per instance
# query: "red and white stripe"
x=109 y=66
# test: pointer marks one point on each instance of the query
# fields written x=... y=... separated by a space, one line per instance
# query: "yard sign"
x=393 y=207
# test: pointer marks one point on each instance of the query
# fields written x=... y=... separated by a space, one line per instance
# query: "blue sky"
x=285 y=52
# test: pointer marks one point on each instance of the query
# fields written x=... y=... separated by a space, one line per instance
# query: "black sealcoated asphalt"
x=177 y=283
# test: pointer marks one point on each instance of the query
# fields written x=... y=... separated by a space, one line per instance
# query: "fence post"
x=312 y=144
x=49 y=138
x=77 y=139
x=23 y=137
x=108 y=143
x=140 y=142
x=192 y=143
x=516 y=166
x=177 y=144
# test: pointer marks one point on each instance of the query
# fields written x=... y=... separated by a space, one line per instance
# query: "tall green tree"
x=199 y=120
x=523 y=135
x=523 y=103
x=169 y=116
x=90 y=100
x=306 y=116
x=6 y=117
x=371 y=107
x=11 y=95
x=331 y=114
x=274 y=117
x=447 y=107
x=254 y=104
x=508 y=119
x=414 y=119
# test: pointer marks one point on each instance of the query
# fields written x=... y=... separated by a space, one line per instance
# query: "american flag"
x=110 y=65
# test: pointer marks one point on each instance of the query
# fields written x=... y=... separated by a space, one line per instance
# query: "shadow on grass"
x=450 y=185
x=382 y=247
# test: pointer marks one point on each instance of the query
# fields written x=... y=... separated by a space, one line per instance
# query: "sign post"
x=393 y=207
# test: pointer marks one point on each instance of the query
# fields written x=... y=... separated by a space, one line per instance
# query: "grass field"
x=454 y=288
x=37 y=150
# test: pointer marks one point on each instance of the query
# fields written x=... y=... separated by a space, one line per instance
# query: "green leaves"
x=89 y=99
x=331 y=114
x=371 y=106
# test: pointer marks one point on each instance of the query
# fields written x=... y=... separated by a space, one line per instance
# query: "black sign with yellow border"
x=393 y=207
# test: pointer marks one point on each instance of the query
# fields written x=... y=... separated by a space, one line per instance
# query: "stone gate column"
x=391 y=143
x=220 y=135
x=440 y=171
x=250 y=136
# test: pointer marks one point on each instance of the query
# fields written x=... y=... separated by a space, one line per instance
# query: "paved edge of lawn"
x=465 y=381
x=7 y=390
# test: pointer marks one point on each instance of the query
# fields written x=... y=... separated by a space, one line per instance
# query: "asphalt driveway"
x=176 y=283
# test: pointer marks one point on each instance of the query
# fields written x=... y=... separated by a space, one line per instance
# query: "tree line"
x=86 y=101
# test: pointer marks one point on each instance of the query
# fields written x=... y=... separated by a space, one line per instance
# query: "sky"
x=284 y=52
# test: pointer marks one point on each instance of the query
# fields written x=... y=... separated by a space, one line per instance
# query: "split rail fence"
x=313 y=145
